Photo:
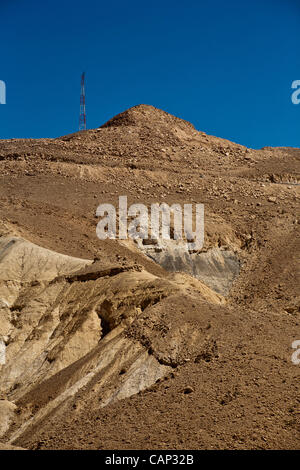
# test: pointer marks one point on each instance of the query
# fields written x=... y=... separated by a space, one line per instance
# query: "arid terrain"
x=112 y=345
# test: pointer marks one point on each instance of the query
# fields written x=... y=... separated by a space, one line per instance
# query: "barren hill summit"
x=148 y=138
x=147 y=115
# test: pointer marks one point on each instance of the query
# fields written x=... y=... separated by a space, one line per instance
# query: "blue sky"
x=226 y=66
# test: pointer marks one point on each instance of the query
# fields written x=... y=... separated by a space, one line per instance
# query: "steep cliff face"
x=66 y=322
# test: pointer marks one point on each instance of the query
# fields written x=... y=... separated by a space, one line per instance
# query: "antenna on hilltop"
x=82 y=116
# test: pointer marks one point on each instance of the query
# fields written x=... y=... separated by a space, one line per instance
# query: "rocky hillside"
x=117 y=344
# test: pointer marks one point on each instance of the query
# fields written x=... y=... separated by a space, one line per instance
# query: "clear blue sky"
x=226 y=66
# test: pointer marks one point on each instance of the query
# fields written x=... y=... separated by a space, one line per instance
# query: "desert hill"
x=112 y=344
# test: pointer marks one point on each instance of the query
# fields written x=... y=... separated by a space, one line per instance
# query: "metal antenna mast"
x=82 y=117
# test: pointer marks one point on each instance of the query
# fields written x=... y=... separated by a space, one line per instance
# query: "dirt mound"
x=144 y=115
